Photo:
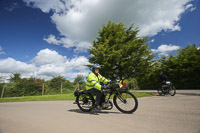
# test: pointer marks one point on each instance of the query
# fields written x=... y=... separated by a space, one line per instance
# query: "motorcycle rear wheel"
x=126 y=102
x=85 y=102
x=160 y=91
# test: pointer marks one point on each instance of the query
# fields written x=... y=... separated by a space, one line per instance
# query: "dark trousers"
x=97 y=93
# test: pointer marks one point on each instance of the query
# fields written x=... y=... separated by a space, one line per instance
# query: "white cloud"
x=152 y=40
x=47 y=56
x=167 y=48
x=54 y=5
x=77 y=63
x=74 y=75
x=60 y=65
x=81 y=19
x=82 y=46
x=51 y=63
x=51 y=70
x=12 y=7
x=46 y=64
x=52 y=40
x=68 y=43
x=164 y=50
x=190 y=7
x=10 y=65
x=1 y=51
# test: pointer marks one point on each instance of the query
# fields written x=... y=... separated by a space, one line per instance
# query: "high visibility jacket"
x=93 y=81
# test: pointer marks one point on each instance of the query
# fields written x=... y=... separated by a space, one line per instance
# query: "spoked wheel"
x=172 y=91
x=125 y=102
x=160 y=92
x=85 y=102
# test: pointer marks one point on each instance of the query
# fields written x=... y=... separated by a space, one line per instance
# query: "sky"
x=47 y=39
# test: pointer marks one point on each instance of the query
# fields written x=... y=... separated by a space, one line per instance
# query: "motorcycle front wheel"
x=85 y=102
x=126 y=102
x=172 y=91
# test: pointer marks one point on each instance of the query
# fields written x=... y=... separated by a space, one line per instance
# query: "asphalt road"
x=157 y=114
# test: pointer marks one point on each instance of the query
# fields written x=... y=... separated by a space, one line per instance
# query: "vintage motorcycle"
x=167 y=88
x=124 y=100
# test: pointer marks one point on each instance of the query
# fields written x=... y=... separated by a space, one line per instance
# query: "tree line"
x=182 y=70
x=35 y=86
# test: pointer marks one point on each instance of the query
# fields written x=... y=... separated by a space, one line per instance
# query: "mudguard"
x=78 y=93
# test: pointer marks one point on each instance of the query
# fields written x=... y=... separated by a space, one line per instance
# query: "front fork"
x=120 y=97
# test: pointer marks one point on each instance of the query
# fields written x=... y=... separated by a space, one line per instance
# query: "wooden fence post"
x=2 y=92
x=61 y=86
x=42 y=89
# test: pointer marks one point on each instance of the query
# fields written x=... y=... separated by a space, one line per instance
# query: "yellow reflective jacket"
x=93 y=81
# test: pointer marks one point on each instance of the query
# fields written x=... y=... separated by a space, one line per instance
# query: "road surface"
x=157 y=114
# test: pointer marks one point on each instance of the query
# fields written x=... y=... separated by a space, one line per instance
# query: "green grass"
x=143 y=94
x=56 y=97
x=39 y=98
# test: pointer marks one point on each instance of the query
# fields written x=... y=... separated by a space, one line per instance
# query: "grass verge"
x=143 y=94
x=69 y=96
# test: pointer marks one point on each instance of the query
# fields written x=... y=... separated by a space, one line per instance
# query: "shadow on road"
x=94 y=112
x=189 y=94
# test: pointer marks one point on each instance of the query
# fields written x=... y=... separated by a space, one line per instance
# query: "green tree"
x=29 y=86
x=68 y=85
x=79 y=80
x=120 y=52
x=183 y=70
x=132 y=84
x=15 y=77
x=149 y=79
x=55 y=84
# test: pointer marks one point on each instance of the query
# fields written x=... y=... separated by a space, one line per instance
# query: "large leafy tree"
x=120 y=52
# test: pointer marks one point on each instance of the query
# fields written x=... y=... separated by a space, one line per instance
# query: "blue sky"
x=40 y=39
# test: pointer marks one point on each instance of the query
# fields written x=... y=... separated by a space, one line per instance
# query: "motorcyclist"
x=93 y=84
x=163 y=78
